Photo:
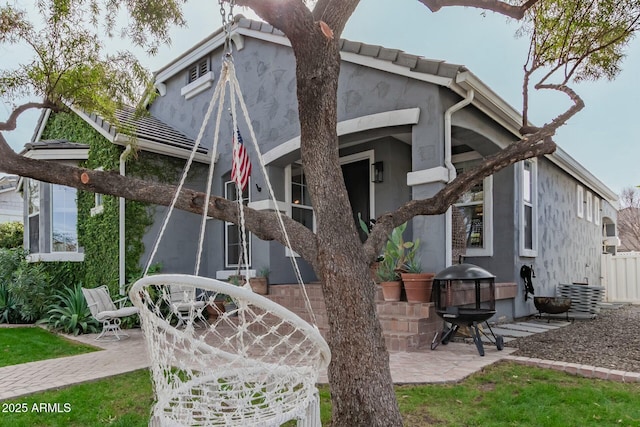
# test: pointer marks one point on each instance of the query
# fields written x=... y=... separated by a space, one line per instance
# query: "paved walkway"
x=449 y=363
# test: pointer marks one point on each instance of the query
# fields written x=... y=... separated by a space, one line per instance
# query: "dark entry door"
x=356 y=178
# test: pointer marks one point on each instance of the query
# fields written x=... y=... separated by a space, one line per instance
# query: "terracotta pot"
x=391 y=290
x=213 y=311
x=418 y=286
x=259 y=285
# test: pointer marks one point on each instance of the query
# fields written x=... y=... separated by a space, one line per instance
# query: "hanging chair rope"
x=253 y=363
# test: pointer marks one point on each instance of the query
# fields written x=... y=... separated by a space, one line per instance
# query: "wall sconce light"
x=377 y=172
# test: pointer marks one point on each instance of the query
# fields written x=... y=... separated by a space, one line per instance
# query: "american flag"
x=241 y=169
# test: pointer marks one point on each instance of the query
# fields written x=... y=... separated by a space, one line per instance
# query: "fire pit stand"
x=464 y=295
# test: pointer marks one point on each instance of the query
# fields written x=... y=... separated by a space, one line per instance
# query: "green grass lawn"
x=21 y=345
x=505 y=394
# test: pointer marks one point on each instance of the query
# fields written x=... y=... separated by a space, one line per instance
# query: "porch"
x=406 y=326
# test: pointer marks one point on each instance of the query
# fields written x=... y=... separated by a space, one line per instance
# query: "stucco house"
x=407 y=125
x=10 y=200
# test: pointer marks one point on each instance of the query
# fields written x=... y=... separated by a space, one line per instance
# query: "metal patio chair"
x=104 y=309
x=184 y=304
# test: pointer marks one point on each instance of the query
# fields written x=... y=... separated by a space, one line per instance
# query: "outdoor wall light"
x=377 y=172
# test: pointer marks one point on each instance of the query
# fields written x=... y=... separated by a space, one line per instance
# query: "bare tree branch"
x=12 y=121
x=503 y=8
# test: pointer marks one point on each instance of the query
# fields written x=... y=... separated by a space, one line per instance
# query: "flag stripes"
x=241 y=168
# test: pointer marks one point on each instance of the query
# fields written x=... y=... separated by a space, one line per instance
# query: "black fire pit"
x=552 y=305
x=464 y=295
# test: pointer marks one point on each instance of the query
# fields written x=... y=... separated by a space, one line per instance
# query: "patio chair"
x=184 y=304
x=104 y=309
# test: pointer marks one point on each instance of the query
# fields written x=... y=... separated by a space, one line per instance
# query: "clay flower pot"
x=391 y=290
x=417 y=286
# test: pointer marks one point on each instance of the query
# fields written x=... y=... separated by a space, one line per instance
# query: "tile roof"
x=55 y=144
x=146 y=127
x=398 y=57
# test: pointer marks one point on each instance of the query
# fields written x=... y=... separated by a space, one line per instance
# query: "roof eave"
x=158 y=148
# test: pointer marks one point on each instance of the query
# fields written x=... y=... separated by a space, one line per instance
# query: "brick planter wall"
x=406 y=326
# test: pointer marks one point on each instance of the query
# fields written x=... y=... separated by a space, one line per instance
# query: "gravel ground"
x=611 y=340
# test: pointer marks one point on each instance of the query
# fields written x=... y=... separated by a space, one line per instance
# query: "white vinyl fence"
x=621 y=277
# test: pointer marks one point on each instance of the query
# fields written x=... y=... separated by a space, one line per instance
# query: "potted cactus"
x=389 y=280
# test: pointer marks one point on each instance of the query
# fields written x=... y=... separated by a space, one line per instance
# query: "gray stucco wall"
x=568 y=247
x=267 y=77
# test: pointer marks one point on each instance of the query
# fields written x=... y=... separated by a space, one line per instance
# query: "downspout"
x=449 y=165
x=121 y=226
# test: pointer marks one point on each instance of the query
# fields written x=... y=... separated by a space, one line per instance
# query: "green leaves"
x=580 y=40
x=70 y=313
x=69 y=63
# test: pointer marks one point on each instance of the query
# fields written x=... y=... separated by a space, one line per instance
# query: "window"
x=580 y=201
x=476 y=209
x=528 y=209
x=298 y=199
x=33 y=197
x=589 y=207
x=57 y=206
x=64 y=219
x=233 y=239
x=301 y=208
x=596 y=211
x=198 y=70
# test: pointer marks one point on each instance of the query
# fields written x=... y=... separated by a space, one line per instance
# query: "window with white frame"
x=300 y=199
x=589 y=206
x=33 y=211
x=580 y=201
x=596 y=211
x=529 y=208
x=476 y=209
x=233 y=252
x=64 y=219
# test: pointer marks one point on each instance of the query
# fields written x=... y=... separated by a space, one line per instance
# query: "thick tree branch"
x=262 y=224
x=515 y=12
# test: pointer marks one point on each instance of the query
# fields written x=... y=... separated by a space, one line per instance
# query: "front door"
x=356 y=178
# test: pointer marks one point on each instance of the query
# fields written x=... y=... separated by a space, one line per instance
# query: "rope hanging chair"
x=253 y=365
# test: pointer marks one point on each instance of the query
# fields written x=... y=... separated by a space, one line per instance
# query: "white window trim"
x=50 y=231
x=27 y=228
x=533 y=252
x=596 y=211
x=589 y=206
x=580 y=201
x=226 y=234
x=487 y=249
x=351 y=158
x=197 y=86
x=289 y=207
x=56 y=257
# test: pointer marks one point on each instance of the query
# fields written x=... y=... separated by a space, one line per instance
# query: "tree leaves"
x=580 y=39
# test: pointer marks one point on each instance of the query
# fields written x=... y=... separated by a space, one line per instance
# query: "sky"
x=602 y=137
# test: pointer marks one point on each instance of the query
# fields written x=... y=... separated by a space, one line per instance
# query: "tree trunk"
x=361 y=385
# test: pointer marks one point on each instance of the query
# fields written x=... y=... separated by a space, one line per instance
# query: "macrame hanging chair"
x=256 y=364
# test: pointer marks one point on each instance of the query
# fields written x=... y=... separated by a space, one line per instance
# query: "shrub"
x=9 y=312
x=11 y=235
x=30 y=288
x=71 y=313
